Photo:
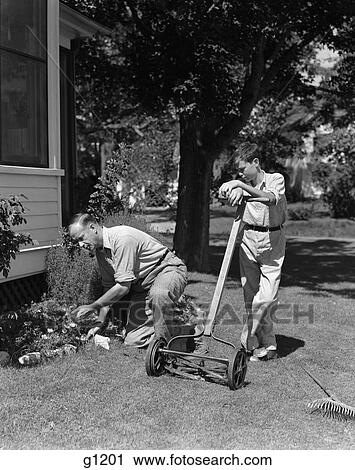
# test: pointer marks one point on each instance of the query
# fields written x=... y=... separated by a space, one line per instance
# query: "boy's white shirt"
x=258 y=213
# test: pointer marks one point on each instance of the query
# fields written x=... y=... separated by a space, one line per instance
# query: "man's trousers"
x=152 y=301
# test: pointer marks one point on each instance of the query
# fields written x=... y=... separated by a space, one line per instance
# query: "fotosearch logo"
x=281 y=313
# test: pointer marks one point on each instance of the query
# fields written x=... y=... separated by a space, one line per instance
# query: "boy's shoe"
x=262 y=356
x=260 y=352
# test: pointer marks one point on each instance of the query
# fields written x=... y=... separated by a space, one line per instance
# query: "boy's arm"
x=275 y=189
x=256 y=192
x=227 y=188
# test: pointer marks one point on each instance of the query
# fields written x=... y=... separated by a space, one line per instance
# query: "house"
x=38 y=39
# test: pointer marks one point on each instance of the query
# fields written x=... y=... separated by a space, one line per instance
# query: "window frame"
x=42 y=60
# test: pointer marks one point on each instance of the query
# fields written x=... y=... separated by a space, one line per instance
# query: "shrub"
x=340 y=194
x=41 y=327
x=300 y=212
x=134 y=221
x=337 y=176
x=11 y=214
x=106 y=200
x=72 y=278
x=131 y=220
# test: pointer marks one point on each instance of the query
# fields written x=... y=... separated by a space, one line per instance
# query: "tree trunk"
x=191 y=239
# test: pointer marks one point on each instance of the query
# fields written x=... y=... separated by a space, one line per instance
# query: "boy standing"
x=262 y=249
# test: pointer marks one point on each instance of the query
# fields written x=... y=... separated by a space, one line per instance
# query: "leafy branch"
x=11 y=214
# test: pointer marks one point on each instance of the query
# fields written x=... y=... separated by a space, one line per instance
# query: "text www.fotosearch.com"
x=175 y=459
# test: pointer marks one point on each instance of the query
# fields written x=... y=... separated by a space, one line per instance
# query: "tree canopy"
x=214 y=61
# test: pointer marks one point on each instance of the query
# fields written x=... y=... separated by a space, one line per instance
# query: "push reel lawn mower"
x=169 y=357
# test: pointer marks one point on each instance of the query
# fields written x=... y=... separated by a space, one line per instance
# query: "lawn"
x=104 y=399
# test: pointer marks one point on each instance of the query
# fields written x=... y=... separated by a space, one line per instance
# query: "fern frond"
x=332 y=409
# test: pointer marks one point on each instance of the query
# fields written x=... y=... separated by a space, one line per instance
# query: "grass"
x=104 y=399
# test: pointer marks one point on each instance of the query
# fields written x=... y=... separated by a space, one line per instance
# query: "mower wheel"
x=237 y=369
x=154 y=360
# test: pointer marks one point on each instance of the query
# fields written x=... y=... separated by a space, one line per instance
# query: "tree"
x=215 y=60
x=107 y=114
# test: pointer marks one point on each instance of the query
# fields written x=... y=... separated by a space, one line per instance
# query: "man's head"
x=246 y=158
x=85 y=229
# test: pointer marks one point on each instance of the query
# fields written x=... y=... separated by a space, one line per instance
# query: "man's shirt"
x=128 y=254
x=257 y=213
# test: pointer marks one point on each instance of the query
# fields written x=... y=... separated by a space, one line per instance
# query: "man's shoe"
x=201 y=347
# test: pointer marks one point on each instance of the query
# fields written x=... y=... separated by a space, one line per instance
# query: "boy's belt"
x=259 y=228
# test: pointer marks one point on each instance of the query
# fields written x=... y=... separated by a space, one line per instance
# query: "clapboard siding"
x=27 y=181
x=39 y=222
x=41 y=208
x=27 y=263
x=33 y=194
x=42 y=215
x=43 y=237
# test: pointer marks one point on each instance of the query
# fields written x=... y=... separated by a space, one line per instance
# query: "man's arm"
x=114 y=294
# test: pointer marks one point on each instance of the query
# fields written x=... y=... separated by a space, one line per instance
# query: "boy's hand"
x=226 y=188
x=235 y=197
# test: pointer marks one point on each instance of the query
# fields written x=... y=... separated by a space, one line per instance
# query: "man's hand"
x=92 y=332
x=235 y=197
x=83 y=311
x=226 y=188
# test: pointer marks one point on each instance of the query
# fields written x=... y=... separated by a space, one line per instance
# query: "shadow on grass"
x=312 y=263
x=309 y=264
x=287 y=345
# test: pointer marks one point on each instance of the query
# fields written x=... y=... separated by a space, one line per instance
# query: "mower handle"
x=256 y=199
x=227 y=259
x=249 y=199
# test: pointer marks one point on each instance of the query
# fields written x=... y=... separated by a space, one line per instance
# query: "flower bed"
x=48 y=327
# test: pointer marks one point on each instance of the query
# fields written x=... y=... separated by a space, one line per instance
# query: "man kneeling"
x=132 y=262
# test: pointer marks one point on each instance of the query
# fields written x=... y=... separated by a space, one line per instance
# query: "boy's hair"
x=83 y=219
x=246 y=152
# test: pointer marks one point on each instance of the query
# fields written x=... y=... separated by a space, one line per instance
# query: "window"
x=23 y=83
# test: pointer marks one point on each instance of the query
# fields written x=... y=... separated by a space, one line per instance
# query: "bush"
x=337 y=176
x=338 y=182
x=106 y=200
x=300 y=212
x=72 y=278
x=340 y=194
x=41 y=327
x=134 y=221
x=11 y=214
